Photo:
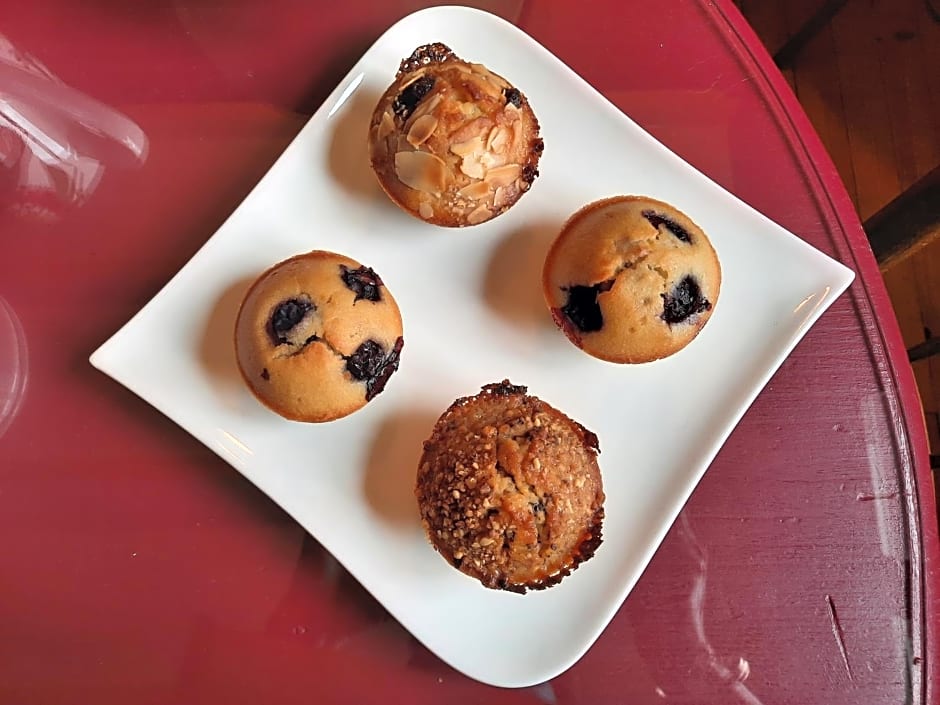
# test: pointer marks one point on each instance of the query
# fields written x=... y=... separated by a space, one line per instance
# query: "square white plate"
x=471 y=303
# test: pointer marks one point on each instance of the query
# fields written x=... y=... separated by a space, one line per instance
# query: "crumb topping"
x=509 y=489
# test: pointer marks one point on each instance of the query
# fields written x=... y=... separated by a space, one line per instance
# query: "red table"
x=137 y=567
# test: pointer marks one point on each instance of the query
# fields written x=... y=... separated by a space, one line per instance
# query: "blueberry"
x=371 y=365
x=425 y=55
x=364 y=282
x=657 y=219
x=582 y=308
x=413 y=94
x=265 y=375
x=529 y=173
x=288 y=314
x=504 y=388
x=683 y=301
x=513 y=96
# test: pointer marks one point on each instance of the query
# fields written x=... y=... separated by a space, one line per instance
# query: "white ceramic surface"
x=473 y=314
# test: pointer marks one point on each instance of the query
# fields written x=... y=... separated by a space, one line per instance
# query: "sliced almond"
x=500 y=198
x=491 y=160
x=462 y=149
x=425 y=210
x=503 y=175
x=425 y=107
x=491 y=137
x=483 y=85
x=516 y=134
x=411 y=79
x=421 y=130
x=500 y=140
x=475 y=191
x=386 y=126
x=421 y=171
x=478 y=127
x=479 y=214
x=472 y=166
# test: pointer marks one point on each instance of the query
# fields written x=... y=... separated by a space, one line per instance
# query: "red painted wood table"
x=137 y=567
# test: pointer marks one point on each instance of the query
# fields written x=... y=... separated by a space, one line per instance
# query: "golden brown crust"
x=510 y=491
x=630 y=279
x=342 y=345
x=451 y=142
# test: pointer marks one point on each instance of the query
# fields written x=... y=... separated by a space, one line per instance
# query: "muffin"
x=631 y=279
x=509 y=490
x=451 y=142
x=317 y=337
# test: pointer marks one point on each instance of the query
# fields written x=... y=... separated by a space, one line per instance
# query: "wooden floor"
x=869 y=81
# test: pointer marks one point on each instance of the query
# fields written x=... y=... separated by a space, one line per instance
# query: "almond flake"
x=421 y=171
x=475 y=191
x=491 y=160
x=500 y=199
x=421 y=130
x=500 y=140
x=516 y=134
x=462 y=149
x=492 y=136
x=425 y=107
x=472 y=167
x=479 y=214
x=386 y=126
x=503 y=175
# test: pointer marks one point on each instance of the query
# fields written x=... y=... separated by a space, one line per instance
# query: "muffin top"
x=631 y=279
x=509 y=489
x=318 y=336
x=451 y=142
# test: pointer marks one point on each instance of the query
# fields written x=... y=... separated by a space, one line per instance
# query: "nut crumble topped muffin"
x=509 y=489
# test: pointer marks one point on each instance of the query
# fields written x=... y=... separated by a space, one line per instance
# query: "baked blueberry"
x=582 y=308
x=372 y=365
x=513 y=96
x=684 y=300
x=411 y=95
x=363 y=282
x=656 y=219
x=287 y=315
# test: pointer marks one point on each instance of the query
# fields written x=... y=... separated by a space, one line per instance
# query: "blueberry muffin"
x=509 y=490
x=317 y=337
x=630 y=279
x=451 y=142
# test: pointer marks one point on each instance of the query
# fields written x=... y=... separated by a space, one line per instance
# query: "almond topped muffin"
x=509 y=489
x=451 y=142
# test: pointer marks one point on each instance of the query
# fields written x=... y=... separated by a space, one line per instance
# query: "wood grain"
x=899 y=41
x=869 y=83
x=866 y=112
x=819 y=89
